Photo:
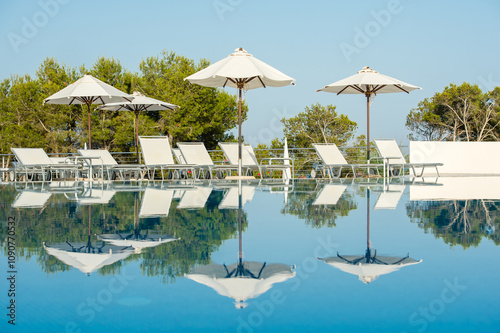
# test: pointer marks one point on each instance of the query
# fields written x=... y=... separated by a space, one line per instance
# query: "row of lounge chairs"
x=393 y=161
x=192 y=160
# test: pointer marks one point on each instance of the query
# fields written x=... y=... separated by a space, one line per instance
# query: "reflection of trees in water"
x=304 y=194
x=201 y=231
x=463 y=222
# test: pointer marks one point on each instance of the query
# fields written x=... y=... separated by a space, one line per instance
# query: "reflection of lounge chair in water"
x=389 y=198
x=156 y=202
x=231 y=198
x=329 y=194
x=31 y=199
x=194 y=198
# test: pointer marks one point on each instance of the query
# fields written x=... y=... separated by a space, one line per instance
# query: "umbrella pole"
x=88 y=114
x=239 y=132
x=240 y=253
x=367 y=218
x=368 y=128
x=137 y=136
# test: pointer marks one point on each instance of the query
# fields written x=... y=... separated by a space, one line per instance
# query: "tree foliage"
x=458 y=222
x=205 y=114
x=318 y=124
x=459 y=113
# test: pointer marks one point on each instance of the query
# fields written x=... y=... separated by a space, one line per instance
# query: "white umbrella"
x=243 y=280
x=88 y=258
x=137 y=104
x=87 y=90
x=242 y=71
x=369 y=83
x=369 y=269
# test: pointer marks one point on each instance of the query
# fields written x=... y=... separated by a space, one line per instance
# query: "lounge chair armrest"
x=271 y=159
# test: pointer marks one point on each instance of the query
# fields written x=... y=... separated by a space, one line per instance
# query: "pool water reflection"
x=403 y=256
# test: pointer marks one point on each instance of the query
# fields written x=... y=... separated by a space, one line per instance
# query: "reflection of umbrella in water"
x=369 y=267
x=87 y=257
x=242 y=280
x=135 y=239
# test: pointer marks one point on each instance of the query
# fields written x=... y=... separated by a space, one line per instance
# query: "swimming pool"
x=348 y=256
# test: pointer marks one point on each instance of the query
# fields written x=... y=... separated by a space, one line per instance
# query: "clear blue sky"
x=426 y=43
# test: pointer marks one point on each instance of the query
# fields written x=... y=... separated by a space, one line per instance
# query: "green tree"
x=458 y=222
x=459 y=113
x=318 y=124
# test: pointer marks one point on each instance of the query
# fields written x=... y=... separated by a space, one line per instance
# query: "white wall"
x=459 y=158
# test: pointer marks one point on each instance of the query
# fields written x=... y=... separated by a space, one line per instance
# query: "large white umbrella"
x=242 y=71
x=86 y=257
x=368 y=268
x=369 y=83
x=242 y=280
x=138 y=103
x=88 y=90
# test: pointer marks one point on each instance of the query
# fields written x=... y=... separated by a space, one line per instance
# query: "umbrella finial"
x=241 y=52
x=367 y=69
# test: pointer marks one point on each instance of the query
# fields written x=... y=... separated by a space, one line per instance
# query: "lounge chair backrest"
x=178 y=156
x=156 y=202
x=32 y=156
x=389 y=148
x=329 y=194
x=195 y=153
x=156 y=150
x=329 y=153
x=103 y=154
x=230 y=149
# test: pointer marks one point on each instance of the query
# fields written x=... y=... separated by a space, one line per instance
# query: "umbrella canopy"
x=369 y=83
x=88 y=258
x=138 y=103
x=88 y=90
x=242 y=71
x=243 y=280
x=136 y=240
x=368 y=268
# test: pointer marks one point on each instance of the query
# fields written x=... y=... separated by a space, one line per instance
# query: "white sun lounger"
x=389 y=198
x=31 y=199
x=195 y=198
x=156 y=202
x=394 y=161
x=249 y=161
x=106 y=162
x=34 y=161
x=157 y=155
x=329 y=194
x=332 y=159
x=231 y=197
x=196 y=153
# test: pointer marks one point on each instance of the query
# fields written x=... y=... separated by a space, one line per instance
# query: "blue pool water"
x=448 y=282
